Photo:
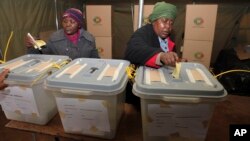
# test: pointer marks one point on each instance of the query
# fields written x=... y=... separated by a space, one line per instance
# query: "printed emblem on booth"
x=198 y=21
x=100 y=50
x=199 y=55
x=97 y=20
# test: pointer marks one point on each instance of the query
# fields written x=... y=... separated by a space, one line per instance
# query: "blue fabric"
x=163 y=44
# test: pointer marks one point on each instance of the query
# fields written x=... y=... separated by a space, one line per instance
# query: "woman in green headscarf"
x=151 y=45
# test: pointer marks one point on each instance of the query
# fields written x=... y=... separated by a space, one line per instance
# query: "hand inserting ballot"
x=169 y=58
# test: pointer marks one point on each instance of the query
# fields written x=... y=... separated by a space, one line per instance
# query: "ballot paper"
x=177 y=70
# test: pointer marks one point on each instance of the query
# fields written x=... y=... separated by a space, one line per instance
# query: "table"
x=234 y=110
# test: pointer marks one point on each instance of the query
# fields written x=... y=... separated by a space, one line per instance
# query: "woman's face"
x=70 y=26
x=163 y=27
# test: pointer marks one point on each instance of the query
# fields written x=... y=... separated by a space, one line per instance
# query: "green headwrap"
x=163 y=9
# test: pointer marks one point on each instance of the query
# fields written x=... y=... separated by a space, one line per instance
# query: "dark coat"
x=143 y=45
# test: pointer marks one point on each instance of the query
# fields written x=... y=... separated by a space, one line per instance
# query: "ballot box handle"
x=182 y=99
x=79 y=92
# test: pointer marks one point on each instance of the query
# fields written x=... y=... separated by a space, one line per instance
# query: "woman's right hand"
x=28 y=42
x=169 y=58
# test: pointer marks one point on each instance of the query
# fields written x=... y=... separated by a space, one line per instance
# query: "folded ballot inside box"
x=177 y=108
x=25 y=98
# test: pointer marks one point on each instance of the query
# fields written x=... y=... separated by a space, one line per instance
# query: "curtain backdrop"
x=33 y=16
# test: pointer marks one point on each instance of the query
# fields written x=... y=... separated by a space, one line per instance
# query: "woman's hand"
x=169 y=58
x=3 y=75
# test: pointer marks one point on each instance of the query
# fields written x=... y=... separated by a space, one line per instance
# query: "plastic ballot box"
x=90 y=95
x=177 y=108
x=25 y=99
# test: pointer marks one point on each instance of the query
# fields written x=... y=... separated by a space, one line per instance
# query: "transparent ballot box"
x=25 y=99
x=90 y=95
x=177 y=108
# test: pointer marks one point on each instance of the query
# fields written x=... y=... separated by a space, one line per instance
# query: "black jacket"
x=143 y=45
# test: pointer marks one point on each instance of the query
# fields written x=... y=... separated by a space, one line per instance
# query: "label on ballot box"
x=83 y=115
x=19 y=100
x=186 y=120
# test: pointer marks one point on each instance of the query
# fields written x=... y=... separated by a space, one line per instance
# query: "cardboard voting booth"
x=99 y=24
x=99 y=20
x=199 y=33
x=104 y=44
x=147 y=10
